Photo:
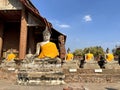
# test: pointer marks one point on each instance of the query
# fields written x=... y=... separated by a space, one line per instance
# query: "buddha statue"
x=89 y=56
x=11 y=56
x=109 y=56
x=110 y=62
x=69 y=55
x=46 y=49
x=90 y=62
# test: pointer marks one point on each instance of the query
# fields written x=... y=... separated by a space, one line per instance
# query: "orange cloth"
x=89 y=56
x=10 y=57
x=69 y=56
x=48 y=50
x=109 y=57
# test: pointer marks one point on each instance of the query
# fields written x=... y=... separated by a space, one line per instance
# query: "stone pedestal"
x=112 y=65
x=92 y=64
x=73 y=64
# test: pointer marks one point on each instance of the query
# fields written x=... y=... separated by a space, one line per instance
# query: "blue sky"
x=86 y=23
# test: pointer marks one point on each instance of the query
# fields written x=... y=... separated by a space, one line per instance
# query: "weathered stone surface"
x=112 y=65
x=74 y=86
x=73 y=64
x=90 y=76
x=79 y=76
x=92 y=64
x=7 y=75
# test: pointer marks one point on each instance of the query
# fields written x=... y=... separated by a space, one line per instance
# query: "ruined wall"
x=81 y=76
x=90 y=76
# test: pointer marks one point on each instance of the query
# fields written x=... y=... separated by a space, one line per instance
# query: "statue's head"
x=107 y=50
x=11 y=50
x=46 y=34
x=68 y=50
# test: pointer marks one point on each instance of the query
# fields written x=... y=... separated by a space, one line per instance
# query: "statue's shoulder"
x=52 y=42
x=39 y=43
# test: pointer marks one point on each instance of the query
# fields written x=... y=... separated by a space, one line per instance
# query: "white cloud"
x=87 y=18
x=118 y=43
x=57 y=23
x=64 y=26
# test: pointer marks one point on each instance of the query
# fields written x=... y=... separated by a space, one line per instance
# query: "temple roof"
x=31 y=8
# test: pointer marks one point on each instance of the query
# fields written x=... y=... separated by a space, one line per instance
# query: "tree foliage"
x=96 y=51
x=78 y=52
x=116 y=51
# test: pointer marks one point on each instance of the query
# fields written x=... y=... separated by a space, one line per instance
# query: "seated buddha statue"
x=89 y=56
x=90 y=62
x=109 y=56
x=69 y=56
x=46 y=49
x=10 y=56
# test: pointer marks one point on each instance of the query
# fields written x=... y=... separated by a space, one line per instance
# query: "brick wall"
x=89 y=75
x=81 y=76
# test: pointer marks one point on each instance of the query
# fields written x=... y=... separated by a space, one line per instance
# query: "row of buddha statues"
x=44 y=49
x=107 y=60
x=108 y=57
x=48 y=49
x=69 y=56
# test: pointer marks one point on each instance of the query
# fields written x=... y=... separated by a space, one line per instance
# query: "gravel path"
x=8 y=85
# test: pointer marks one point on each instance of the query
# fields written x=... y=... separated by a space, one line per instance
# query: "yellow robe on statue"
x=109 y=57
x=89 y=56
x=48 y=50
x=69 y=56
x=10 y=57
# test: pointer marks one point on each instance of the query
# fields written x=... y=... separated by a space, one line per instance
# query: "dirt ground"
x=102 y=86
x=8 y=85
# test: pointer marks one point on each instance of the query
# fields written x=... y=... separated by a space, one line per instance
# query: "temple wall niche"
x=11 y=37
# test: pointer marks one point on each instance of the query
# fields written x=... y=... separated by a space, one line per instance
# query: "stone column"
x=62 y=47
x=1 y=38
x=23 y=36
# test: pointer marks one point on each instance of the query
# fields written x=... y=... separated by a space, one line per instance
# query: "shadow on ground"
x=111 y=89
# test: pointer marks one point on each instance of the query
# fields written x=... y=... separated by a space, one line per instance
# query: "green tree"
x=116 y=50
x=78 y=52
x=96 y=51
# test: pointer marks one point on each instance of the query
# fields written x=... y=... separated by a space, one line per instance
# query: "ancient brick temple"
x=21 y=27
